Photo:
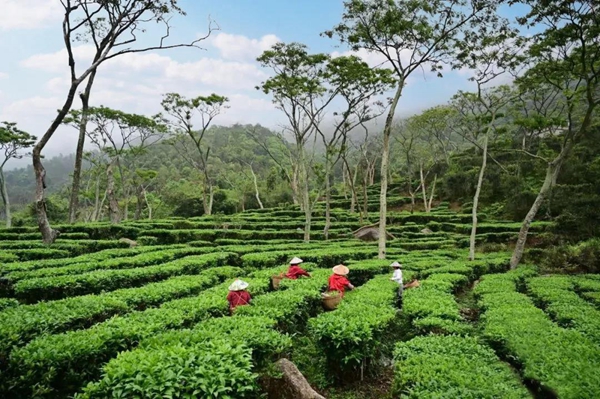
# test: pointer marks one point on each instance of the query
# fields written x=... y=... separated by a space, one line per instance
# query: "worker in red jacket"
x=238 y=295
x=296 y=271
x=338 y=280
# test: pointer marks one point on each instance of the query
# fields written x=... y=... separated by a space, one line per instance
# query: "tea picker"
x=238 y=296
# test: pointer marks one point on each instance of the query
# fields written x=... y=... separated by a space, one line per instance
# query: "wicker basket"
x=276 y=280
x=331 y=302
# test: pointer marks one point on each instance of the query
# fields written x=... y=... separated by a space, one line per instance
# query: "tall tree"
x=565 y=56
x=355 y=84
x=122 y=138
x=411 y=35
x=425 y=140
x=12 y=142
x=183 y=110
x=298 y=91
x=113 y=27
x=479 y=121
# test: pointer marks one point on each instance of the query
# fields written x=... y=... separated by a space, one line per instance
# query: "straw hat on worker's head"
x=395 y=264
x=238 y=285
x=341 y=270
x=296 y=261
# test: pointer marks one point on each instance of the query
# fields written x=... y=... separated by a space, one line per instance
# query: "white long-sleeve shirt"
x=397 y=276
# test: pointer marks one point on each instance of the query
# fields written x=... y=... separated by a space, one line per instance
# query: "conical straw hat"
x=395 y=264
x=238 y=285
x=341 y=270
x=296 y=261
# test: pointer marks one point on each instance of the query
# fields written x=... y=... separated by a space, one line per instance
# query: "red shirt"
x=338 y=283
x=296 y=271
x=237 y=298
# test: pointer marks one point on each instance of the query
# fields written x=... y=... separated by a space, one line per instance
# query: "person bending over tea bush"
x=296 y=271
x=338 y=281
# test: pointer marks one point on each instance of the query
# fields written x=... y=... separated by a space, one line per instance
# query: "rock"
x=292 y=384
x=128 y=241
x=426 y=231
x=370 y=233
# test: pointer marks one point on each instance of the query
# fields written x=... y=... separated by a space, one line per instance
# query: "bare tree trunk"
x=552 y=171
x=48 y=233
x=346 y=184
x=327 y=202
x=432 y=192
x=148 y=205
x=423 y=188
x=385 y=154
x=306 y=203
x=113 y=204
x=354 y=193
x=101 y=209
x=5 y=199
x=372 y=172
x=211 y=198
x=139 y=203
x=96 y=211
x=476 y=197
x=85 y=98
x=365 y=207
x=256 y=192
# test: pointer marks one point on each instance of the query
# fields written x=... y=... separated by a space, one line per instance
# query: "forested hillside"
x=175 y=187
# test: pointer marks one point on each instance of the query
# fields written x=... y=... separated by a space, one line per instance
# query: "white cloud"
x=28 y=14
x=3 y=75
x=238 y=47
x=216 y=73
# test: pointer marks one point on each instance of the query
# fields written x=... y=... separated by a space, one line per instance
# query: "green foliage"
x=43 y=288
x=557 y=297
x=352 y=333
x=582 y=257
x=19 y=325
x=452 y=366
x=216 y=369
x=559 y=360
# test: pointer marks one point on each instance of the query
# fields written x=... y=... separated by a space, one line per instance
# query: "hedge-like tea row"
x=49 y=288
x=20 y=325
x=454 y=367
x=218 y=368
x=352 y=333
x=431 y=308
x=141 y=260
x=8 y=303
x=94 y=257
x=252 y=326
x=58 y=365
x=6 y=257
x=562 y=361
x=39 y=253
x=324 y=257
x=555 y=295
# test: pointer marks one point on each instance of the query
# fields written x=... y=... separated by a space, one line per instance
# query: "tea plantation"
x=91 y=317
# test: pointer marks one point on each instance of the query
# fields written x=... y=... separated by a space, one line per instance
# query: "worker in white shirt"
x=397 y=277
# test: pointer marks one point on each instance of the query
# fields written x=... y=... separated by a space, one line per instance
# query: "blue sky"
x=33 y=74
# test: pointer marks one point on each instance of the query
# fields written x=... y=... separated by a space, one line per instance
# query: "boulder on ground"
x=291 y=385
x=128 y=241
x=370 y=233
x=427 y=231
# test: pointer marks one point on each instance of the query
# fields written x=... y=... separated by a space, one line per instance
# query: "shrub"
x=452 y=366
x=44 y=288
x=352 y=334
x=558 y=360
x=19 y=325
x=214 y=368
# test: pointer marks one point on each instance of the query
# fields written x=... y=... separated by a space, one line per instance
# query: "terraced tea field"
x=94 y=318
